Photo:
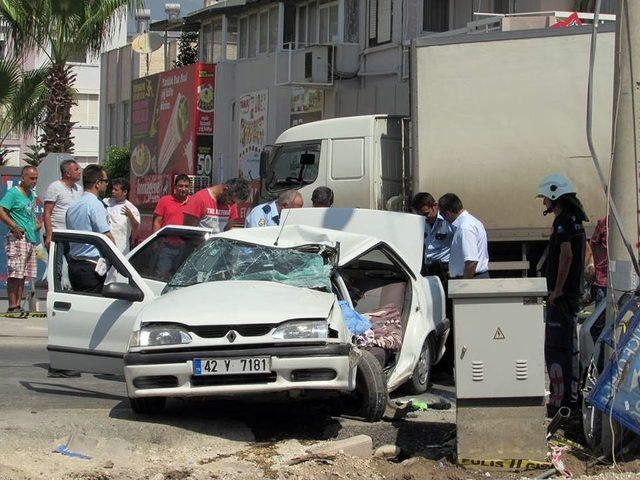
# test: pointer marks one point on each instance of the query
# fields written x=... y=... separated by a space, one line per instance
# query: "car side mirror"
x=122 y=291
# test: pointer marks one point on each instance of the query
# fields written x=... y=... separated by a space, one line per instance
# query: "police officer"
x=268 y=214
x=565 y=266
x=437 y=236
x=469 y=257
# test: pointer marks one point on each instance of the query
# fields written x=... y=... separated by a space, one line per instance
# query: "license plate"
x=231 y=366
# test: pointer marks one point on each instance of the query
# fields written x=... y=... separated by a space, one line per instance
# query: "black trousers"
x=561 y=350
x=83 y=276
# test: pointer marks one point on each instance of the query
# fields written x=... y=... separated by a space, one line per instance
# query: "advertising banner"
x=306 y=105
x=172 y=123
x=253 y=131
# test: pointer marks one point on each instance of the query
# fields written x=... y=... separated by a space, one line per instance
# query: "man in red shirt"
x=170 y=208
x=215 y=207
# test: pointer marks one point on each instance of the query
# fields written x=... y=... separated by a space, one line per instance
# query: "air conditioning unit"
x=318 y=64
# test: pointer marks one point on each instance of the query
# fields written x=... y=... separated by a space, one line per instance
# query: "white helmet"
x=554 y=186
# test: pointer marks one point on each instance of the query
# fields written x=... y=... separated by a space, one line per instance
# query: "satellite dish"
x=146 y=42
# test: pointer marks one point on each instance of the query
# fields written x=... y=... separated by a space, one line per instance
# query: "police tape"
x=23 y=314
x=505 y=463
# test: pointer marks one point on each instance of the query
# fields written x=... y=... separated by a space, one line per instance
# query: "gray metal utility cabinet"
x=499 y=368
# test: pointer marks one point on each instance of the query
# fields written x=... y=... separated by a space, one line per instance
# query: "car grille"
x=219 y=331
x=233 y=380
x=156 y=381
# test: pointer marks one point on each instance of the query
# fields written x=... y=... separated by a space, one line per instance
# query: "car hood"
x=238 y=302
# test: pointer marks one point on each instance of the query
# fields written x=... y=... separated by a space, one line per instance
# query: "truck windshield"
x=218 y=259
x=292 y=165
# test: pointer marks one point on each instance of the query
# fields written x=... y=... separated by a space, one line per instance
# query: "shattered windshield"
x=219 y=259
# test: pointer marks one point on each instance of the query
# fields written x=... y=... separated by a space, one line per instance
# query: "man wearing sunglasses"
x=86 y=271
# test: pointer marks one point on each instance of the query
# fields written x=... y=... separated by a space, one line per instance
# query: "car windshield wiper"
x=180 y=285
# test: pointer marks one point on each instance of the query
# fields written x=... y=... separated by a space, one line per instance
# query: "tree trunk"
x=57 y=124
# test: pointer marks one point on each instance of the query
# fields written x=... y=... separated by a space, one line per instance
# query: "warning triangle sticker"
x=499 y=335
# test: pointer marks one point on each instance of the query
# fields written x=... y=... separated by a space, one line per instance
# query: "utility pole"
x=623 y=184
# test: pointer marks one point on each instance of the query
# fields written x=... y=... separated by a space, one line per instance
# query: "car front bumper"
x=311 y=367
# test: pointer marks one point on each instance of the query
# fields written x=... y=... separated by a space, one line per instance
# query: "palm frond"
x=29 y=100
x=10 y=75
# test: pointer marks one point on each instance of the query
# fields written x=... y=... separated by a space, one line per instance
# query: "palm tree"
x=22 y=100
x=62 y=29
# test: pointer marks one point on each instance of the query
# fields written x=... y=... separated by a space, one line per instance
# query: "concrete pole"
x=624 y=173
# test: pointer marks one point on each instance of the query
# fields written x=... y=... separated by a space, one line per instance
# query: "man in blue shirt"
x=268 y=214
x=438 y=235
x=88 y=214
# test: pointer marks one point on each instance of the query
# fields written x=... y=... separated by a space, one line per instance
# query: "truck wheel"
x=148 y=406
x=419 y=381
x=371 y=388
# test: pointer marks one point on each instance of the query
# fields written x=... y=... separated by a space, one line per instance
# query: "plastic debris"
x=64 y=450
x=439 y=405
x=558 y=463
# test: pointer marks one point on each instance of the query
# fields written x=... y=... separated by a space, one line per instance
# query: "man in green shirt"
x=18 y=211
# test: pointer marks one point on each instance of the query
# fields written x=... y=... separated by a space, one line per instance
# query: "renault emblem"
x=231 y=336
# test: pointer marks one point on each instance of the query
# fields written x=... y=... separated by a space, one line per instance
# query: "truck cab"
x=360 y=158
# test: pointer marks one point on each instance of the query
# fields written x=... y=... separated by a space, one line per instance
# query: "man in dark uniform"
x=437 y=236
x=565 y=268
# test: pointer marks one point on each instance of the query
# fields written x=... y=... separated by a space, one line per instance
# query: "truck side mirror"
x=264 y=158
x=307 y=159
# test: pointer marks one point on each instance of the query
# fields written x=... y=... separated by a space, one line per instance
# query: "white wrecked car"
x=254 y=311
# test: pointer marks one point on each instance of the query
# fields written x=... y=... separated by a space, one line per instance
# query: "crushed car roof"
x=403 y=232
x=288 y=236
x=356 y=229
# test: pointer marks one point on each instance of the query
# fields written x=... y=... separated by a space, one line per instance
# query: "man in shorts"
x=18 y=212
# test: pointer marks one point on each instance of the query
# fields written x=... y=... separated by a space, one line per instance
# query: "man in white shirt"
x=469 y=257
x=123 y=215
x=59 y=196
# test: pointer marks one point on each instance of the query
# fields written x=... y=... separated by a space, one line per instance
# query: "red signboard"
x=172 y=123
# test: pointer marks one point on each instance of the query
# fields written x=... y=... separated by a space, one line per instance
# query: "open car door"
x=89 y=332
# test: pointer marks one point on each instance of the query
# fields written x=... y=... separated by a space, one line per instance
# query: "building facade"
x=282 y=63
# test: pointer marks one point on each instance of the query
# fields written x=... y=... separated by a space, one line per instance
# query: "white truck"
x=490 y=116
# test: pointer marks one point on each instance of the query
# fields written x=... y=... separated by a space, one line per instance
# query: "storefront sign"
x=172 y=124
x=252 y=132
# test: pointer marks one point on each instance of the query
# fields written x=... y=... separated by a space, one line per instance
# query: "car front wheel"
x=148 y=406
x=371 y=393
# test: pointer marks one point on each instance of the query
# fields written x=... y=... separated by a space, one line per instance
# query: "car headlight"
x=308 y=329
x=157 y=335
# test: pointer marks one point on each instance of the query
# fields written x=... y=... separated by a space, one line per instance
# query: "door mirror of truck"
x=264 y=159
x=122 y=291
x=307 y=159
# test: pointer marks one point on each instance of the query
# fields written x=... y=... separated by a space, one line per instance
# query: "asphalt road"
x=24 y=387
